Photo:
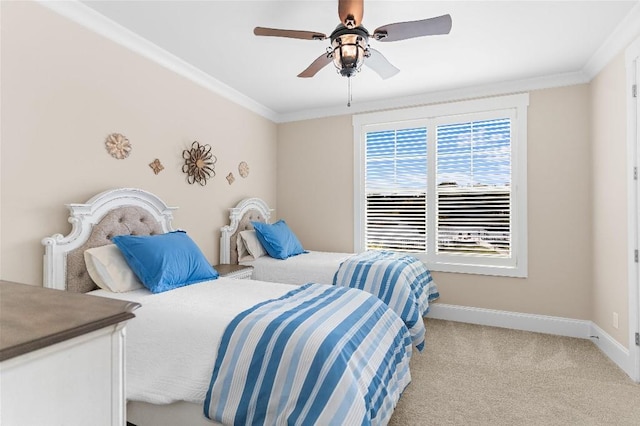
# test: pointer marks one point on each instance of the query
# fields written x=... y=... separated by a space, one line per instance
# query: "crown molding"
x=502 y=88
x=94 y=21
x=624 y=34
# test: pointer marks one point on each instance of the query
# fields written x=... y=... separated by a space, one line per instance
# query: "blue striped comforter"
x=401 y=281
x=318 y=355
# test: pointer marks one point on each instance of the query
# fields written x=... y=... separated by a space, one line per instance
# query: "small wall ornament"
x=243 y=169
x=156 y=166
x=118 y=146
x=199 y=163
x=230 y=178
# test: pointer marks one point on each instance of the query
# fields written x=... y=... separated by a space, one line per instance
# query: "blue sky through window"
x=470 y=154
x=397 y=159
x=475 y=153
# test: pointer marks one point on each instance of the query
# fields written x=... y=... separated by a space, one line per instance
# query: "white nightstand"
x=234 y=271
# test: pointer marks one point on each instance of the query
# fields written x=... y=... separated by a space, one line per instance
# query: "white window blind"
x=446 y=183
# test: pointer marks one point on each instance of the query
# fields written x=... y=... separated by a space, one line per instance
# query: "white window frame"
x=516 y=107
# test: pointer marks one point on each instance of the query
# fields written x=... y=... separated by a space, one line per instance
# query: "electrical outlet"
x=615 y=320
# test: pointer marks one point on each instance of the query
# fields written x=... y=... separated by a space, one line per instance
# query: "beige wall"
x=64 y=89
x=315 y=194
x=315 y=182
x=609 y=179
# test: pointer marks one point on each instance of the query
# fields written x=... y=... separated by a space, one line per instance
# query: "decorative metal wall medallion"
x=156 y=166
x=118 y=146
x=230 y=178
x=199 y=163
x=243 y=169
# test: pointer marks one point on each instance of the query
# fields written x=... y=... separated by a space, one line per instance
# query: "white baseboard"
x=514 y=320
x=582 y=329
x=614 y=350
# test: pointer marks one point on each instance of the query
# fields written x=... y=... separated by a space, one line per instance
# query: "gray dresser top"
x=33 y=317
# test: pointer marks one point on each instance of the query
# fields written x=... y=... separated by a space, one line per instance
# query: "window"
x=446 y=183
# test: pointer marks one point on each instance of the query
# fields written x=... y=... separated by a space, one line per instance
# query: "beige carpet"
x=477 y=375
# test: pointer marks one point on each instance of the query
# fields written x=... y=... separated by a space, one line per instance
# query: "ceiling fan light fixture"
x=349 y=50
x=350 y=41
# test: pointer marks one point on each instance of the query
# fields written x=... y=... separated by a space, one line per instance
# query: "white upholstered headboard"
x=123 y=211
x=240 y=218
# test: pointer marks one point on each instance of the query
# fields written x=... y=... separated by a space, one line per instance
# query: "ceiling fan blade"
x=412 y=29
x=274 y=32
x=350 y=12
x=380 y=64
x=320 y=62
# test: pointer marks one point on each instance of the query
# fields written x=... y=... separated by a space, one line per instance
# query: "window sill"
x=499 y=271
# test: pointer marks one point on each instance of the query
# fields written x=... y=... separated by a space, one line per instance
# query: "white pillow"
x=249 y=247
x=108 y=268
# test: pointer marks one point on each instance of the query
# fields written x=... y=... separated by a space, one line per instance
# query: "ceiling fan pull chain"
x=349 y=97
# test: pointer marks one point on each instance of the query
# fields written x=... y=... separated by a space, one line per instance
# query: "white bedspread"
x=172 y=343
x=314 y=266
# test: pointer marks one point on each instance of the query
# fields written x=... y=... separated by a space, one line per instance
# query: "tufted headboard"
x=124 y=211
x=240 y=218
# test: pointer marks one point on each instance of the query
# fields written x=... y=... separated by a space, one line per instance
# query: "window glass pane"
x=474 y=221
x=396 y=221
x=395 y=185
x=473 y=201
x=380 y=144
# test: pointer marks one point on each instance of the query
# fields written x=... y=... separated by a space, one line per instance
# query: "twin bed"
x=236 y=351
x=402 y=282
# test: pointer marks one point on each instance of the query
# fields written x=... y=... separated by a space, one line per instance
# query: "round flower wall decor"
x=199 y=163
x=243 y=169
x=118 y=146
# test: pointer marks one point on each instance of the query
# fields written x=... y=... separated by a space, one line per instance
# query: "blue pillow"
x=277 y=239
x=165 y=261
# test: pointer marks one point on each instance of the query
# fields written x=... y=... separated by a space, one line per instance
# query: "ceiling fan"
x=350 y=40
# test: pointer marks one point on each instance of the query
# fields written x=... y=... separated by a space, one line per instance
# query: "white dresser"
x=61 y=357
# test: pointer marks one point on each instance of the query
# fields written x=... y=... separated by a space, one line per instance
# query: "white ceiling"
x=491 y=43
